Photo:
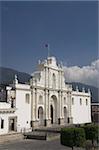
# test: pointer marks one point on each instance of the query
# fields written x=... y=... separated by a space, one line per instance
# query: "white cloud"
x=86 y=74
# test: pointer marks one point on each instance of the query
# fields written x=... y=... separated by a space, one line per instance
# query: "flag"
x=46 y=45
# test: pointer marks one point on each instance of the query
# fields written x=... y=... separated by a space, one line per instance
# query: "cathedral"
x=45 y=101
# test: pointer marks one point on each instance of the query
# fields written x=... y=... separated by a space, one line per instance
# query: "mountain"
x=7 y=76
x=94 y=90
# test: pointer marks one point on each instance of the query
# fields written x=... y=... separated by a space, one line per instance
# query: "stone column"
x=61 y=117
x=32 y=107
x=45 y=77
x=70 y=119
x=48 y=77
x=59 y=83
x=48 y=106
x=61 y=106
x=47 y=120
x=61 y=80
x=62 y=109
x=59 y=112
x=35 y=110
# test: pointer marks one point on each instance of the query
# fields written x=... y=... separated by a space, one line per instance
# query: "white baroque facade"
x=45 y=101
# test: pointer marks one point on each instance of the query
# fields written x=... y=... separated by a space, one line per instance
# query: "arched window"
x=54 y=81
x=27 y=98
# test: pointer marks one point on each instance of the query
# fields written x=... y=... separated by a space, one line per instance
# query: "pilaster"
x=59 y=96
x=70 y=119
x=62 y=115
x=33 y=106
x=36 y=111
x=46 y=108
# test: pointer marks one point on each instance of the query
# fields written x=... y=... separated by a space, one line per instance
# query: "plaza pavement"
x=34 y=145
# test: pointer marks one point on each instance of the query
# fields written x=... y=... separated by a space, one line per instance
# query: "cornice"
x=8 y=110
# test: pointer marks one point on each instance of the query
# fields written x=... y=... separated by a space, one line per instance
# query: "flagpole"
x=48 y=51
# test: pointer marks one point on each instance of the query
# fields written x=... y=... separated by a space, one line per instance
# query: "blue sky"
x=70 y=27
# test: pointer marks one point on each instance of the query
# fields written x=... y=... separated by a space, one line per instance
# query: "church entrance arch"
x=40 y=116
x=53 y=110
x=65 y=115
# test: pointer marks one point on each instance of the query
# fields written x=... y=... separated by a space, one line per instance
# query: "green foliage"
x=91 y=132
x=73 y=137
x=79 y=137
x=67 y=137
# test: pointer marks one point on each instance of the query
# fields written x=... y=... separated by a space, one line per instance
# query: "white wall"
x=5 y=117
x=81 y=113
x=23 y=109
x=4 y=105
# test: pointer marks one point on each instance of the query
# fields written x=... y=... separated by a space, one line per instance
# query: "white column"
x=48 y=107
x=69 y=106
x=48 y=77
x=61 y=79
x=33 y=104
x=59 y=96
x=46 y=104
x=45 y=77
x=36 y=110
x=62 y=105
x=58 y=79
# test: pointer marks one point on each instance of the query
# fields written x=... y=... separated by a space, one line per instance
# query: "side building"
x=15 y=113
x=95 y=112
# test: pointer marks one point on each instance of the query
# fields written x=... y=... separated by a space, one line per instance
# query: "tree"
x=73 y=137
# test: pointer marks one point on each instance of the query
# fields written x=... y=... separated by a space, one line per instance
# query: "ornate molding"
x=8 y=110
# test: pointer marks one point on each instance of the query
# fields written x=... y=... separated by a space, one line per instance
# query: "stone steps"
x=35 y=135
x=10 y=137
x=45 y=133
x=52 y=136
x=53 y=129
x=41 y=135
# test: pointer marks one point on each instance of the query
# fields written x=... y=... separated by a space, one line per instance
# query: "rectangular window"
x=2 y=123
x=86 y=101
x=80 y=101
x=27 y=98
x=72 y=101
x=12 y=104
